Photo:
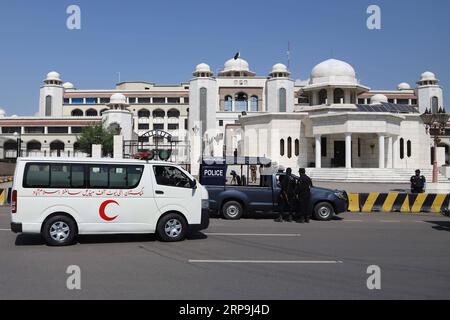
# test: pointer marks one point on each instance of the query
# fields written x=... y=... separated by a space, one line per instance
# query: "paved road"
x=248 y=259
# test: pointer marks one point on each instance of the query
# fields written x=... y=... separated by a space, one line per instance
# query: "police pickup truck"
x=245 y=185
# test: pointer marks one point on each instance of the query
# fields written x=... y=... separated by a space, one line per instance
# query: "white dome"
x=203 y=67
x=333 y=70
x=378 y=99
x=68 y=85
x=118 y=98
x=403 y=86
x=53 y=76
x=236 y=65
x=279 y=67
x=428 y=76
x=2 y=113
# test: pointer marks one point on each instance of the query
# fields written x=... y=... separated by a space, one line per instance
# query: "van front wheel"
x=59 y=231
x=172 y=228
x=323 y=211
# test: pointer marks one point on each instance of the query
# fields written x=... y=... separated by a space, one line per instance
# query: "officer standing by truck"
x=303 y=195
x=286 y=196
x=418 y=183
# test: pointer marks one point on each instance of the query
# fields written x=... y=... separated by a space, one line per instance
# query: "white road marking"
x=390 y=221
x=5 y=229
x=353 y=220
x=266 y=262
x=255 y=234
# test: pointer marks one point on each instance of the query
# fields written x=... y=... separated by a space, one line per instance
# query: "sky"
x=162 y=41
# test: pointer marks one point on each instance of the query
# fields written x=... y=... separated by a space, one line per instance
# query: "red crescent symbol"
x=102 y=213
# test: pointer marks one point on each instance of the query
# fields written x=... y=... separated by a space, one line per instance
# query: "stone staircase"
x=367 y=175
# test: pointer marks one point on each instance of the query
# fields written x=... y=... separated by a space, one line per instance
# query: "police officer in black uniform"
x=303 y=195
x=418 y=183
x=286 y=196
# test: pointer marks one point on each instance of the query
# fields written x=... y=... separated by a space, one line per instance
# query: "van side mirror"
x=194 y=184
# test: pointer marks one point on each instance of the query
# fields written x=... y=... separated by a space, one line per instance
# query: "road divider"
x=398 y=202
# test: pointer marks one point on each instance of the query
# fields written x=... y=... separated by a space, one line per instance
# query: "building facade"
x=330 y=120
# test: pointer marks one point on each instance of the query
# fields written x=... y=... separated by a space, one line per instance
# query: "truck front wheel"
x=232 y=210
x=323 y=211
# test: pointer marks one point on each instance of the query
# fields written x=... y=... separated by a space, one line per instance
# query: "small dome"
x=333 y=70
x=118 y=98
x=378 y=99
x=403 y=86
x=203 y=67
x=279 y=67
x=236 y=65
x=68 y=85
x=53 y=76
x=428 y=76
x=2 y=113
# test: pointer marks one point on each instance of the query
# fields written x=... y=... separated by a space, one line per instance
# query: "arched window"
x=91 y=113
x=254 y=104
x=323 y=96
x=338 y=95
x=56 y=148
x=144 y=113
x=159 y=113
x=402 y=148
x=34 y=146
x=282 y=147
x=77 y=113
x=434 y=104
x=408 y=149
x=289 y=147
x=241 y=102
x=228 y=106
x=282 y=99
x=103 y=111
x=173 y=113
x=76 y=147
x=297 y=147
x=203 y=109
x=48 y=106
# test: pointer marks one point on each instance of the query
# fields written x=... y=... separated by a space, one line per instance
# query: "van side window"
x=37 y=176
x=118 y=177
x=171 y=177
x=77 y=176
x=98 y=176
x=60 y=176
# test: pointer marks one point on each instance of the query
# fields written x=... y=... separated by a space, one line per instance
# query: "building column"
x=315 y=98
x=318 y=151
x=330 y=96
x=390 y=148
x=347 y=96
x=381 y=151
x=348 y=150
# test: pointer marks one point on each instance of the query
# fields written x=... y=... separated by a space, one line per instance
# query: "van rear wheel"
x=171 y=228
x=232 y=210
x=59 y=231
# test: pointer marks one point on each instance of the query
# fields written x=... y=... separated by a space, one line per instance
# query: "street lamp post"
x=435 y=125
x=19 y=144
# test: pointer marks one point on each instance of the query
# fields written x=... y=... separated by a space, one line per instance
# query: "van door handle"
x=159 y=192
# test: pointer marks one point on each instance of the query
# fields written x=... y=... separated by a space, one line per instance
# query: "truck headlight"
x=341 y=195
x=205 y=204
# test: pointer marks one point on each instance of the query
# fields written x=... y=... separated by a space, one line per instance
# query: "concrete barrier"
x=5 y=196
x=398 y=202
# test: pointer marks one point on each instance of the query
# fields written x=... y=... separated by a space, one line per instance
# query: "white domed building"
x=331 y=120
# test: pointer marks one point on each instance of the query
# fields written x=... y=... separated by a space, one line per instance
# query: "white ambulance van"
x=63 y=198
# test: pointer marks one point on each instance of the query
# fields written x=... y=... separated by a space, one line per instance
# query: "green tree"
x=97 y=135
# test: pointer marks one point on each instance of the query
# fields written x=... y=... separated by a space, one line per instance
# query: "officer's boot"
x=279 y=219
x=290 y=218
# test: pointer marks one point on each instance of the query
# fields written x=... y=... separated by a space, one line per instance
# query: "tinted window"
x=60 y=176
x=98 y=176
x=37 y=176
x=171 y=176
x=117 y=177
x=78 y=176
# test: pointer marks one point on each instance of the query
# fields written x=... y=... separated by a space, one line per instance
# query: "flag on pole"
x=237 y=56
